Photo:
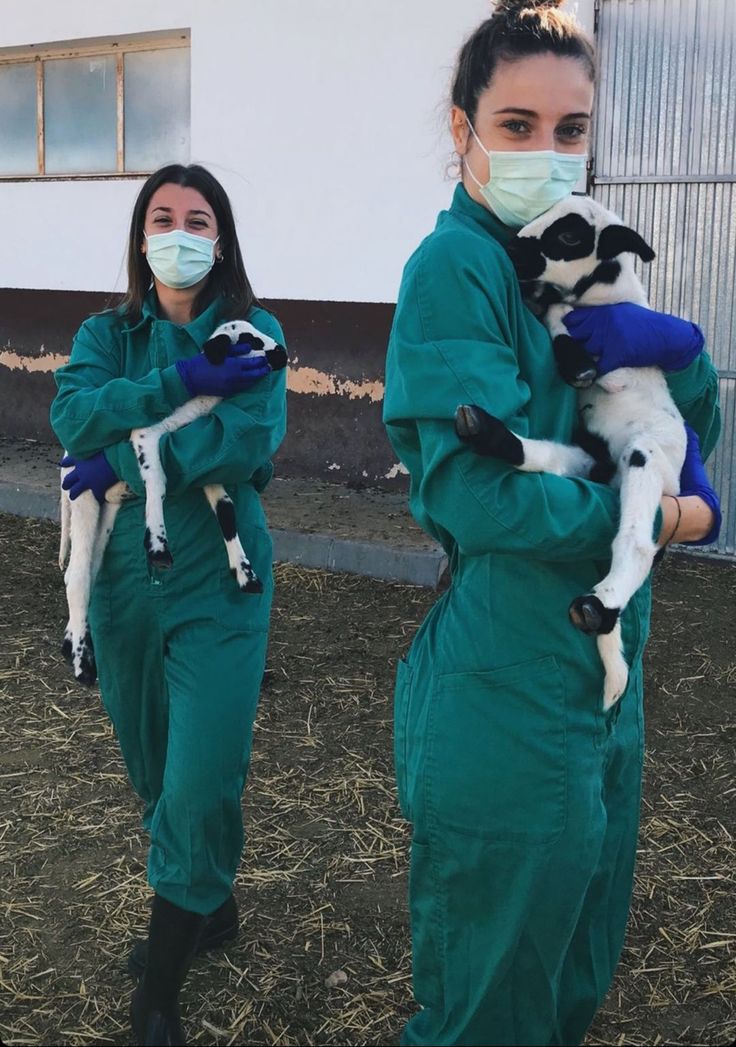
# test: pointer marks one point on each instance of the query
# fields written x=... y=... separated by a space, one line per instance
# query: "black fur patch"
x=575 y=364
x=637 y=459
x=540 y=295
x=246 y=338
x=226 y=518
x=216 y=349
x=277 y=358
x=604 y=469
x=526 y=256
x=605 y=273
x=569 y=237
x=617 y=239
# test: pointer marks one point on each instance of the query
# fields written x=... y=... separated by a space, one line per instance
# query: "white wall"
x=324 y=119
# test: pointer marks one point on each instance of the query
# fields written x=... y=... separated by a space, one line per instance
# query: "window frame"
x=91 y=48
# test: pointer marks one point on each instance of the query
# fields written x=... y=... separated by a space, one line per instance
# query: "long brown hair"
x=516 y=29
x=227 y=279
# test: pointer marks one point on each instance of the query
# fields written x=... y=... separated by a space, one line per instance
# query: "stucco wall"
x=326 y=122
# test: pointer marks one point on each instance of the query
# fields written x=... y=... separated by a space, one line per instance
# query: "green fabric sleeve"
x=227 y=446
x=485 y=506
x=94 y=408
x=695 y=391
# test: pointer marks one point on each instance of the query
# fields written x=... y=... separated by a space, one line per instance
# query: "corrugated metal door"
x=664 y=157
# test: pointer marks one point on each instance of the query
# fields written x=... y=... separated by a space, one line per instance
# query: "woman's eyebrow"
x=207 y=214
x=533 y=115
x=513 y=109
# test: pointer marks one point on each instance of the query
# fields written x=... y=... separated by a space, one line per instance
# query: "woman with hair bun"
x=523 y=793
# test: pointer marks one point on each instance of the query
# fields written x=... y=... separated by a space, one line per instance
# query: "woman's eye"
x=572 y=131
x=516 y=126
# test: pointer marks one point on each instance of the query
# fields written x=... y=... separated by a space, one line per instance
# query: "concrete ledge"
x=327 y=526
x=375 y=559
x=27 y=500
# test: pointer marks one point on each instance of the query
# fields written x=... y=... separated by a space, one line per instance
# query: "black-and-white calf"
x=86 y=526
x=632 y=434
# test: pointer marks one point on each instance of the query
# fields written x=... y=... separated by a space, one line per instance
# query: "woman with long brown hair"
x=180 y=652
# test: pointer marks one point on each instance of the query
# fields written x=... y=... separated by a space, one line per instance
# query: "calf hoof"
x=588 y=614
x=87 y=673
x=467 y=421
x=488 y=435
x=248 y=585
x=160 y=558
x=66 y=649
x=83 y=661
x=584 y=378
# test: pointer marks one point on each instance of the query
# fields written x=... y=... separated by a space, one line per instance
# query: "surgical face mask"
x=180 y=259
x=523 y=185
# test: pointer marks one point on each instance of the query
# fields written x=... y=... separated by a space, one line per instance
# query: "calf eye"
x=569 y=239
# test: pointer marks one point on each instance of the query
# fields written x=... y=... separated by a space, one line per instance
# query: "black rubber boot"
x=219 y=927
x=172 y=939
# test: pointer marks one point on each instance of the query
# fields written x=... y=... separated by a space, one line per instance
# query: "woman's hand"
x=695 y=516
x=236 y=372
x=93 y=474
x=627 y=335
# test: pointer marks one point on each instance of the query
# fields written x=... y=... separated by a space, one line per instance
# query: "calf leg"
x=575 y=364
x=633 y=549
x=488 y=435
x=614 y=663
x=77 y=646
x=145 y=444
x=240 y=566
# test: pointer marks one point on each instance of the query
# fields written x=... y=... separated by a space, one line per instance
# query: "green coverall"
x=180 y=653
x=524 y=796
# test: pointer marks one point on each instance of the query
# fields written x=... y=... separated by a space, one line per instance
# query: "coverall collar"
x=472 y=214
x=199 y=329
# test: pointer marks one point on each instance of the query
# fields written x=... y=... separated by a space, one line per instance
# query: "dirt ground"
x=323 y=885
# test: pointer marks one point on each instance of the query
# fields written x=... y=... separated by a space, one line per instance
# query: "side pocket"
x=402 y=702
x=496 y=760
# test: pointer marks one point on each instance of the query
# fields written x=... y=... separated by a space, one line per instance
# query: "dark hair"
x=516 y=29
x=227 y=279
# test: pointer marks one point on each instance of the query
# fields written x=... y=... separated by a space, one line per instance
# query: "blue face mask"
x=180 y=259
x=523 y=185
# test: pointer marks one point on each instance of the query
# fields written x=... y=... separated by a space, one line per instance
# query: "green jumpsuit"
x=180 y=653
x=523 y=794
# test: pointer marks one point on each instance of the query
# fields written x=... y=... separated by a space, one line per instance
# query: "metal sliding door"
x=664 y=157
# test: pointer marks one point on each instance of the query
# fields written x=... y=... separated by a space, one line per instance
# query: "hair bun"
x=515 y=7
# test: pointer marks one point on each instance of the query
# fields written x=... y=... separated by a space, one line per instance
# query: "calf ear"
x=251 y=340
x=616 y=239
x=215 y=349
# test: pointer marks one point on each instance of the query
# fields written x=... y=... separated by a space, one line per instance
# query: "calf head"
x=574 y=248
x=247 y=338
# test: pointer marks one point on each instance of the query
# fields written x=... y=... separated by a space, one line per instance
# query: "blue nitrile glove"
x=236 y=372
x=93 y=474
x=627 y=335
x=694 y=480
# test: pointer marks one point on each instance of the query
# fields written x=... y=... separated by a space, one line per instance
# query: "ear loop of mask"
x=467 y=166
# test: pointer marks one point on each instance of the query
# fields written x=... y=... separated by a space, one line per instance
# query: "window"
x=95 y=107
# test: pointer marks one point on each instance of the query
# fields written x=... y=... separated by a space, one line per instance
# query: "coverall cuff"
x=121 y=457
